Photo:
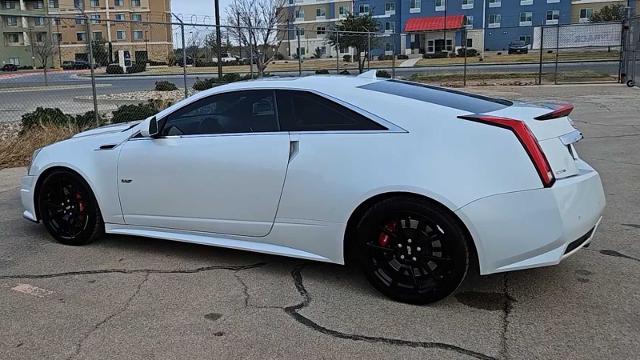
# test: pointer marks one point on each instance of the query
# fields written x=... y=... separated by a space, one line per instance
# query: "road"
x=21 y=93
x=135 y=298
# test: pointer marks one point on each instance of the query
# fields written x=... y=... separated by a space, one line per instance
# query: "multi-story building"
x=134 y=26
x=311 y=19
x=20 y=32
x=430 y=26
x=581 y=10
x=137 y=27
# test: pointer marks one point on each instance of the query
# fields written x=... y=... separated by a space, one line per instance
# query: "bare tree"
x=256 y=23
x=44 y=49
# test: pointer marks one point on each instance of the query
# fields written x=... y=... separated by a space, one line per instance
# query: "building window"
x=389 y=26
x=468 y=21
x=301 y=51
x=467 y=4
x=41 y=37
x=119 y=17
x=495 y=3
x=57 y=38
x=526 y=2
x=53 y=4
x=553 y=1
x=430 y=48
x=81 y=36
x=94 y=3
x=14 y=61
x=388 y=47
x=525 y=18
x=138 y=35
x=80 y=20
x=118 y=2
x=364 y=9
x=136 y=17
x=440 y=5
x=585 y=15
x=320 y=30
x=342 y=11
x=121 y=35
x=526 y=39
x=13 y=38
x=10 y=5
x=12 y=21
x=553 y=16
x=320 y=13
x=95 y=18
x=494 y=20
x=300 y=31
x=39 y=21
x=135 y=3
x=414 y=6
x=78 y=4
x=469 y=43
x=449 y=45
x=97 y=35
x=38 y=5
x=389 y=8
x=299 y=14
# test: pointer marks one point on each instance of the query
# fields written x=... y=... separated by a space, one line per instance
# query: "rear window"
x=472 y=103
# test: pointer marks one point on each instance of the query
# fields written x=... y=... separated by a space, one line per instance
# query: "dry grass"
x=17 y=150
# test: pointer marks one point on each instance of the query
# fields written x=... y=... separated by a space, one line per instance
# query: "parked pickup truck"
x=226 y=58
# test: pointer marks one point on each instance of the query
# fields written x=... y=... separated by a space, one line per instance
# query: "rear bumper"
x=27 y=187
x=535 y=228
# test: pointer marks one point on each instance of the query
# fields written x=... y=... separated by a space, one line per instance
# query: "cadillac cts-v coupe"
x=413 y=183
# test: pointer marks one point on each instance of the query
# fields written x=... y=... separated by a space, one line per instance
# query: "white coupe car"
x=412 y=182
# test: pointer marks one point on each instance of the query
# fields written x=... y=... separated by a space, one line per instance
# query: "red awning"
x=434 y=23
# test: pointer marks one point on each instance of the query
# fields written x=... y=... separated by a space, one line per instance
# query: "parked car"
x=413 y=183
x=180 y=61
x=518 y=47
x=226 y=58
x=10 y=67
x=76 y=65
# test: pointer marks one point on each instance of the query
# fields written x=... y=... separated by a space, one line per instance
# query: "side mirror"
x=149 y=127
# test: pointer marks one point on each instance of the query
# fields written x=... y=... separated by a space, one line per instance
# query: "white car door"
x=218 y=165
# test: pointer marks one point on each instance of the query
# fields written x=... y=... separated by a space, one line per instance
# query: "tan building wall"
x=593 y=5
x=136 y=32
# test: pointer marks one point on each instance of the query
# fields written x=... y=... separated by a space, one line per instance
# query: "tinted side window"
x=234 y=112
x=304 y=111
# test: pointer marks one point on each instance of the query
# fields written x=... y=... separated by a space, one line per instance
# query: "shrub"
x=165 y=86
x=345 y=72
x=47 y=117
x=114 y=69
x=157 y=63
x=384 y=57
x=346 y=58
x=403 y=57
x=231 y=77
x=137 y=68
x=126 y=113
x=383 y=74
x=438 y=55
x=204 y=84
x=470 y=52
x=16 y=151
x=322 y=72
x=278 y=56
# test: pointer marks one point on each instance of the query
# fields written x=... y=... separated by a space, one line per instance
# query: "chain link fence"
x=631 y=58
x=102 y=71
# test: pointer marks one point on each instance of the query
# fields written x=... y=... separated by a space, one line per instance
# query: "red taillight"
x=526 y=138
x=559 y=110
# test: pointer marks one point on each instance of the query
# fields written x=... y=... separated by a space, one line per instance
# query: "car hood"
x=108 y=129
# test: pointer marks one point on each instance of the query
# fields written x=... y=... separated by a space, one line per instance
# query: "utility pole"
x=218 y=37
x=444 y=33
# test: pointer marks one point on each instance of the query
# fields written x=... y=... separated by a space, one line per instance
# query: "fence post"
x=541 y=49
x=337 y=52
x=464 y=76
x=250 y=52
x=621 y=51
x=368 y=50
x=299 y=52
x=555 y=75
x=93 y=73
x=393 y=56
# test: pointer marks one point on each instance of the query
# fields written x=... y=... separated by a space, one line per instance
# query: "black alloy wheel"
x=412 y=250
x=68 y=209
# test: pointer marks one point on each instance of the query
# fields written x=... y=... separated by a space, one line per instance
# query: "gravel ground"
x=135 y=298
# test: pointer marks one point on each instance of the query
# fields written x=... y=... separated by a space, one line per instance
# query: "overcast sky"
x=200 y=8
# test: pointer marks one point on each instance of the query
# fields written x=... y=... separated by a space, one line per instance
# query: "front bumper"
x=535 y=228
x=27 y=189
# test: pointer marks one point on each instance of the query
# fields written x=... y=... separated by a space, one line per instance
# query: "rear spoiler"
x=558 y=110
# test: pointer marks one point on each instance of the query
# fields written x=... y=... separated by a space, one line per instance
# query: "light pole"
x=444 y=33
x=91 y=65
x=216 y=4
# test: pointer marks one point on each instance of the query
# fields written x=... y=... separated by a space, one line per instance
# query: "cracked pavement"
x=128 y=297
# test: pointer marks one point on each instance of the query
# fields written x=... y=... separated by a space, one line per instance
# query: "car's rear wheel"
x=412 y=250
x=69 y=209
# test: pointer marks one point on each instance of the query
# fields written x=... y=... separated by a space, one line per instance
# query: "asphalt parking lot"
x=127 y=297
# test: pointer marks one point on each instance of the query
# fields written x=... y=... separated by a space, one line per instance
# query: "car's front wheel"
x=412 y=250
x=69 y=209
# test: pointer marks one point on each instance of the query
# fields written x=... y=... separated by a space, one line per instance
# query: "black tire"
x=412 y=250
x=68 y=209
x=630 y=83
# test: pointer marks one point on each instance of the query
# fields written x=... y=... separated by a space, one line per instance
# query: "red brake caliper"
x=383 y=238
x=80 y=203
